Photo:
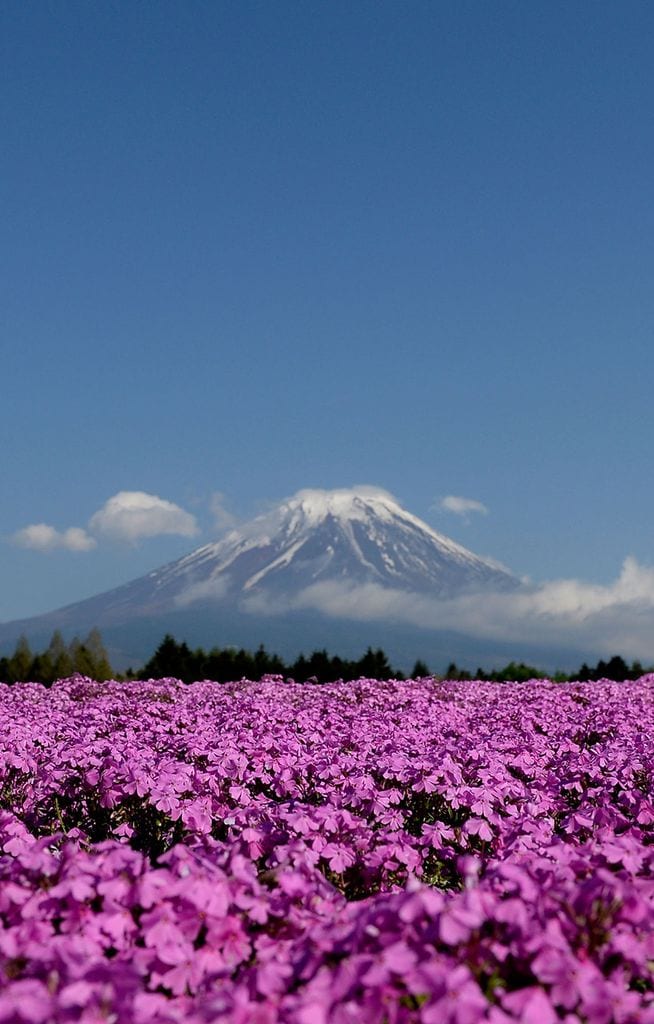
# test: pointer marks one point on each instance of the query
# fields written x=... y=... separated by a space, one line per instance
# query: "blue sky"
x=249 y=248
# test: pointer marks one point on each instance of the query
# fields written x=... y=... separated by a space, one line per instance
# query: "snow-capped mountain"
x=348 y=536
x=300 y=558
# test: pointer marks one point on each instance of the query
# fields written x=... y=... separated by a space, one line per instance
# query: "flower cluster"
x=367 y=852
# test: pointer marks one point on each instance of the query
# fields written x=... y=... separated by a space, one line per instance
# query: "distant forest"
x=58 y=660
x=177 y=660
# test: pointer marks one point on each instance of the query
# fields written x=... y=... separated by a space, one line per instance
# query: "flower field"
x=356 y=853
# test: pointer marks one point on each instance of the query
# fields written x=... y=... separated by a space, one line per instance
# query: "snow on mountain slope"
x=355 y=536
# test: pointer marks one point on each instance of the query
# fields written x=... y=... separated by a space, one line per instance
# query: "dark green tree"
x=20 y=662
x=98 y=656
x=617 y=669
x=81 y=657
x=516 y=672
x=41 y=670
x=374 y=665
x=419 y=670
x=59 y=655
x=171 y=660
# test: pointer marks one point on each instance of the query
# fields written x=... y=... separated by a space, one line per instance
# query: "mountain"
x=350 y=536
x=294 y=571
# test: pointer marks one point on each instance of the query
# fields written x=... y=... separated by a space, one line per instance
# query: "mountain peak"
x=352 y=536
x=309 y=508
x=346 y=503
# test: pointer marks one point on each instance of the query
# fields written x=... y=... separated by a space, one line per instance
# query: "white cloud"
x=207 y=590
x=38 y=536
x=127 y=516
x=77 y=539
x=222 y=519
x=617 y=617
x=42 y=537
x=461 y=506
x=133 y=515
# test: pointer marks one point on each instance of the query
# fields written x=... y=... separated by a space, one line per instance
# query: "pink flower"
x=26 y=1000
x=530 y=1006
x=460 y=917
x=339 y=856
x=463 y=1002
x=478 y=827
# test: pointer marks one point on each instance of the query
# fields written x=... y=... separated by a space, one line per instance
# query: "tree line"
x=615 y=668
x=174 y=659
x=225 y=664
x=58 y=660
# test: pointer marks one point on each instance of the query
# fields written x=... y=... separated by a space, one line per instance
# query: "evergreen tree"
x=60 y=659
x=171 y=660
x=81 y=658
x=300 y=668
x=41 y=669
x=20 y=662
x=516 y=672
x=374 y=665
x=617 y=669
x=318 y=667
x=267 y=664
x=419 y=670
x=98 y=656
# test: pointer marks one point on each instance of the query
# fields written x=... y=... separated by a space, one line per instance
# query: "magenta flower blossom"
x=462 y=1001
x=364 y=852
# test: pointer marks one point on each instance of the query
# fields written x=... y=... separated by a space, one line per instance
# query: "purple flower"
x=340 y=857
x=26 y=1001
x=530 y=1006
x=462 y=1002
x=461 y=917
